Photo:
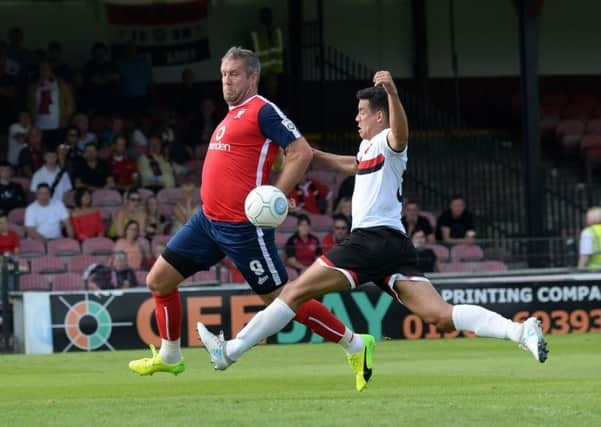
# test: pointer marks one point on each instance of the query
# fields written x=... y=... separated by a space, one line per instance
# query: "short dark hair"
x=457 y=196
x=42 y=185
x=377 y=97
x=303 y=217
x=340 y=217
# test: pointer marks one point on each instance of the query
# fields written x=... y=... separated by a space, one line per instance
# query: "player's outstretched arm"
x=399 y=128
x=345 y=164
x=298 y=158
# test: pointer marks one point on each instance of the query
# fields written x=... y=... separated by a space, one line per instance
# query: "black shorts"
x=380 y=255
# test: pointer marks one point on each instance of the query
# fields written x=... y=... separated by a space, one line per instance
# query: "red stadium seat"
x=321 y=222
x=17 y=216
x=47 y=265
x=169 y=196
x=29 y=248
x=68 y=282
x=145 y=193
x=20 y=230
x=456 y=267
x=489 y=266
x=466 y=253
x=441 y=251
x=33 y=282
x=63 y=247
x=106 y=197
x=97 y=246
x=79 y=263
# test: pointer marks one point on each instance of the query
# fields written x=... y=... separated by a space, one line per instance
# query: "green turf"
x=480 y=382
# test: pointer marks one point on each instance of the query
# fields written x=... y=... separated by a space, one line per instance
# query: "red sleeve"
x=16 y=241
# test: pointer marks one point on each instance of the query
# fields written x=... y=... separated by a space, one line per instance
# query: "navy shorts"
x=202 y=243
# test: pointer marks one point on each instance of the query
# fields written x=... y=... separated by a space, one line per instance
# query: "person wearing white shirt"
x=51 y=174
x=16 y=137
x=44 y=217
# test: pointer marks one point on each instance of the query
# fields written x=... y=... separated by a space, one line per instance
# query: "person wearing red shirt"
x=9 y=240
x=340 y=230
x=311 y=196
x=302 y=248
x=124 y=169
x=86 y=220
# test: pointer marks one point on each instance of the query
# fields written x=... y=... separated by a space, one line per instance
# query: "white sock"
x=170 y=351
x=351 y=342
x=264 y=324
x=485 y=323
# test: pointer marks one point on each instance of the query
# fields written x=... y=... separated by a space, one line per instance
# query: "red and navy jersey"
x=241 y=152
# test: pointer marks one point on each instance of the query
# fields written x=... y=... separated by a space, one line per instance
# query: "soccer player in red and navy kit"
x=241 y=153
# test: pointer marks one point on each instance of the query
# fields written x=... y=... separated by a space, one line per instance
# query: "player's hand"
x=384 y=79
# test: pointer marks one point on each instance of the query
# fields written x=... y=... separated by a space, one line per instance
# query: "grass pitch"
x=480 y=382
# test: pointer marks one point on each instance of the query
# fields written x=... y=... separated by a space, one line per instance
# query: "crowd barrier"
x=47 y=322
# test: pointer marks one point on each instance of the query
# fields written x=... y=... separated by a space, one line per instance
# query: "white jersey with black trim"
x=377 y=198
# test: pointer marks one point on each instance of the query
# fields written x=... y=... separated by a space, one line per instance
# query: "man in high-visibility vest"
x=268 y=44
x=590 y=240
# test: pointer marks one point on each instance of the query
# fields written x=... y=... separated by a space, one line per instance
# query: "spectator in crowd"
x=16 y=52
x=208 y=119
x=92 y=172
x=427 y=262
x=100 y=81
x=68 y=156
x=413 y=222
x=45 y=217
x=117 y=128
x=340 y=230
x=456 y=224
x=132 y=211
x=135 y=80
x=86 y=220
x=186 y=207
x=124 y=170
x=53 y=175
x=55 y=58
x=125 y=276
x=8 y=93
x=139 y=136
x=156 y=172
x=9 y=239
x=345 y=207
x=590 y=240
x=131 y=245
x=31 y=157
x=51 y=101
x=155 y=222
x=12 y=194
x=313 y=197
x=188 y=94
x=302 y=248
x=82 y=122
x=17 y=134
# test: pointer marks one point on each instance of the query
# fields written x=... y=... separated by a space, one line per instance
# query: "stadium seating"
x=63 y=247
x=321 y=222
x=169 y=196
x=68 y=282
x=79 y=263
x=29 y=248
x=455 y=267
x=166 y=209
x=47 y=265
x=17 y=216
x=292 y=273
x=33 y=282
x=106 y=197
x=289 y=224
x=97 y=246
x=489 y=266
x=466 y=253
x=145 y=193
x=441 y=251
x=20 y=230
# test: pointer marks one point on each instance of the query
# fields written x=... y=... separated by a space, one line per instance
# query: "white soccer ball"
x=266 y=206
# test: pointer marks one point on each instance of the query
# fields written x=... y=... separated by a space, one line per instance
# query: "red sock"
x=320 y=320
x=168 y=312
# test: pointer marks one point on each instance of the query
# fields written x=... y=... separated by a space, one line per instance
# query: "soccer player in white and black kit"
x=377 y=250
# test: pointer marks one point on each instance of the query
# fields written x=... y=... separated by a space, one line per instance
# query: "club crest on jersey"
x=240 y=113
x=289 y=125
